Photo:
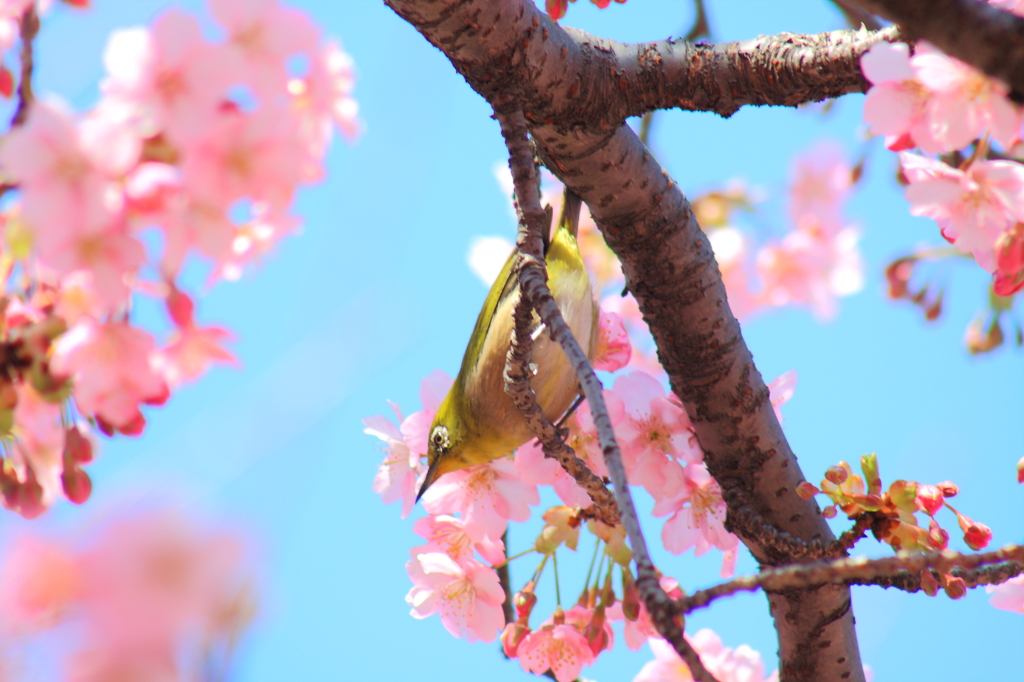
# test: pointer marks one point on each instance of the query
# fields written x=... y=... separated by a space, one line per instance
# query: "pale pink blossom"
x=1008 y=596
x=965 y=103
x=613 y=347
x=190 y=352
x=536 y=469
x=653 y=434
x=634 y=632
x=781 y=390
x=77 y=297
x=39 y=580
x=972 y=207
x=110 y=366
x=468 y=595
x=822 y=181
x=262 y=35
x=583 y=619
x=812 y=269
x=243 y=155
x=171 y=73
x=896 y=104
x=742 y=664
x=151 y=189
x=255 y=238
x=562 y=649
x=449 y=535
x=486 y=495
x=398 y=475
x=1015 y=6
x=109 y=256
x=698 y=517
x=39 y=440
x=322 y=100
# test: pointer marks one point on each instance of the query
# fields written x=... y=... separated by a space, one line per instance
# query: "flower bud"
x=937 y=536
x=929 y=585
x=512 y=636
x=524 y=600
x=948 y=489
x=929 y=499
x=903 y=494
x=630 y=597
x=77 y=448
x=955 y=588
x=806 y=490
x=829 y=512
x=837 y=474
x=1020 y=470
x=869 y=465
x=77 y=484
x=897 y=275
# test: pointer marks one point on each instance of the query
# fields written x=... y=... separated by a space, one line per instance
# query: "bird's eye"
x=440 y=440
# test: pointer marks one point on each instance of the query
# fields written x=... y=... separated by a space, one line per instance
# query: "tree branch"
x=972 y=577
x=508 y=51
x=975 y=32
x=860 y=571
x=534 y=290
x=29 y=30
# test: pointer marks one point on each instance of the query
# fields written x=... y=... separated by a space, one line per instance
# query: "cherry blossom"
x=896 y=105
x=110 y=364
x=467 y=595
x=613 y=347
x=698 y=518
x=448 y=534
x=486 y=495
x=39 y=581
x=727 y=665
x=398 y=475
x=1009 y=596
x=561 y=648
x=781 y=390
x=973 y=207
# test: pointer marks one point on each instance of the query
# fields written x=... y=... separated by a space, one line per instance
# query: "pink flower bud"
x=77 y=448
x=929 y=585
x=955 y=588
x=929 y=499
x=829 y=512
x=6 y=82
x=77 y=484
x=135 y=426
x=977 y=536
x=512 y=635
x=938 y=537
x=180 y=308
x=806 y=490
x=524 y=601
x=948 y=489
x=1020 y=470
x=836 y=474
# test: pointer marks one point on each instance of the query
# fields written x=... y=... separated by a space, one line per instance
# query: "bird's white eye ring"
x=440 y=440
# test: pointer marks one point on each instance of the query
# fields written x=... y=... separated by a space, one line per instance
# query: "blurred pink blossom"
x=1009 y=596
x=613 y=347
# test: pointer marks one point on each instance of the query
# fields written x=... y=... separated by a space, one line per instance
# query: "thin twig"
x=533 y=285
x=505 y=580
x=858 y=571
x=29 y=30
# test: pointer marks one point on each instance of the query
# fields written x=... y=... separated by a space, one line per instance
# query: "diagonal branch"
x=29 y=29
x=860 y=571
x=508 y=51
x=975 y=32
x=534 y=289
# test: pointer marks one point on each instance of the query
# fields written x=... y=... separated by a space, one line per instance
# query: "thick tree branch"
x=534 y=290
x=863 y=571
x=579 y=80
x=508 y=50
x=985 y=37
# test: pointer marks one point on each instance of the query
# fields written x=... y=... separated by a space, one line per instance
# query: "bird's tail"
x=569 y=219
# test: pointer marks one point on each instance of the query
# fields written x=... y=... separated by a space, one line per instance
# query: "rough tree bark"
x=575 y=91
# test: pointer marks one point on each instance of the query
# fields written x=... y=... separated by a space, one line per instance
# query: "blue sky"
x=375 y=294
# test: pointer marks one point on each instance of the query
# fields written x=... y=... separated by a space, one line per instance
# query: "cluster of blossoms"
x=944 y=107
x=454 y=571
x=155 y=597
x=892 y=514
x=195 y=148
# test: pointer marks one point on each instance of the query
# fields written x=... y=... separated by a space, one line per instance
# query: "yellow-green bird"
x=478 y=422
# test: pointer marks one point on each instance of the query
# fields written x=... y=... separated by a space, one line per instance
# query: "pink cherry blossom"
x=40 y=440
x=654 y=432
x=781 y=390
x=262 y=35
x=821 y=184
x=698 y=517
x=468 y=595
x=562 y=649
x=896 y=105
x=634 y=632
x=38 y=581
x=536 y=469
x=255 y=238
x=190 y=353
x=322 y=100
x=171 y=73
x=448 y=534
x=811 y=268
x=613 y=347
x=727 y=665
x=965 y=103
x=398 y=475
x=731 y=249
x=1009 y=596
x=110 y=365
x=486 y=495
x=973 y=207
x=595 y=626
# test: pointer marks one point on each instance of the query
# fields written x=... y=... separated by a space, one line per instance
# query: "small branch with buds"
x=535 y=293
x=889 y=571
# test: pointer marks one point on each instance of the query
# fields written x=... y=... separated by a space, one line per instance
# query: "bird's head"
x=444 y=447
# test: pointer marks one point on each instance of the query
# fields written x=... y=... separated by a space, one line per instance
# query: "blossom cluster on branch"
x=195 y=149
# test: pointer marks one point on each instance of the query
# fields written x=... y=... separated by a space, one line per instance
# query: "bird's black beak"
x=432 y=476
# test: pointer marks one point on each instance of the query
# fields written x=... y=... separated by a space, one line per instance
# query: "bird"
x=477 y=421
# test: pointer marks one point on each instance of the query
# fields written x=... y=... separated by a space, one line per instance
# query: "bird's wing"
x=503 y=287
